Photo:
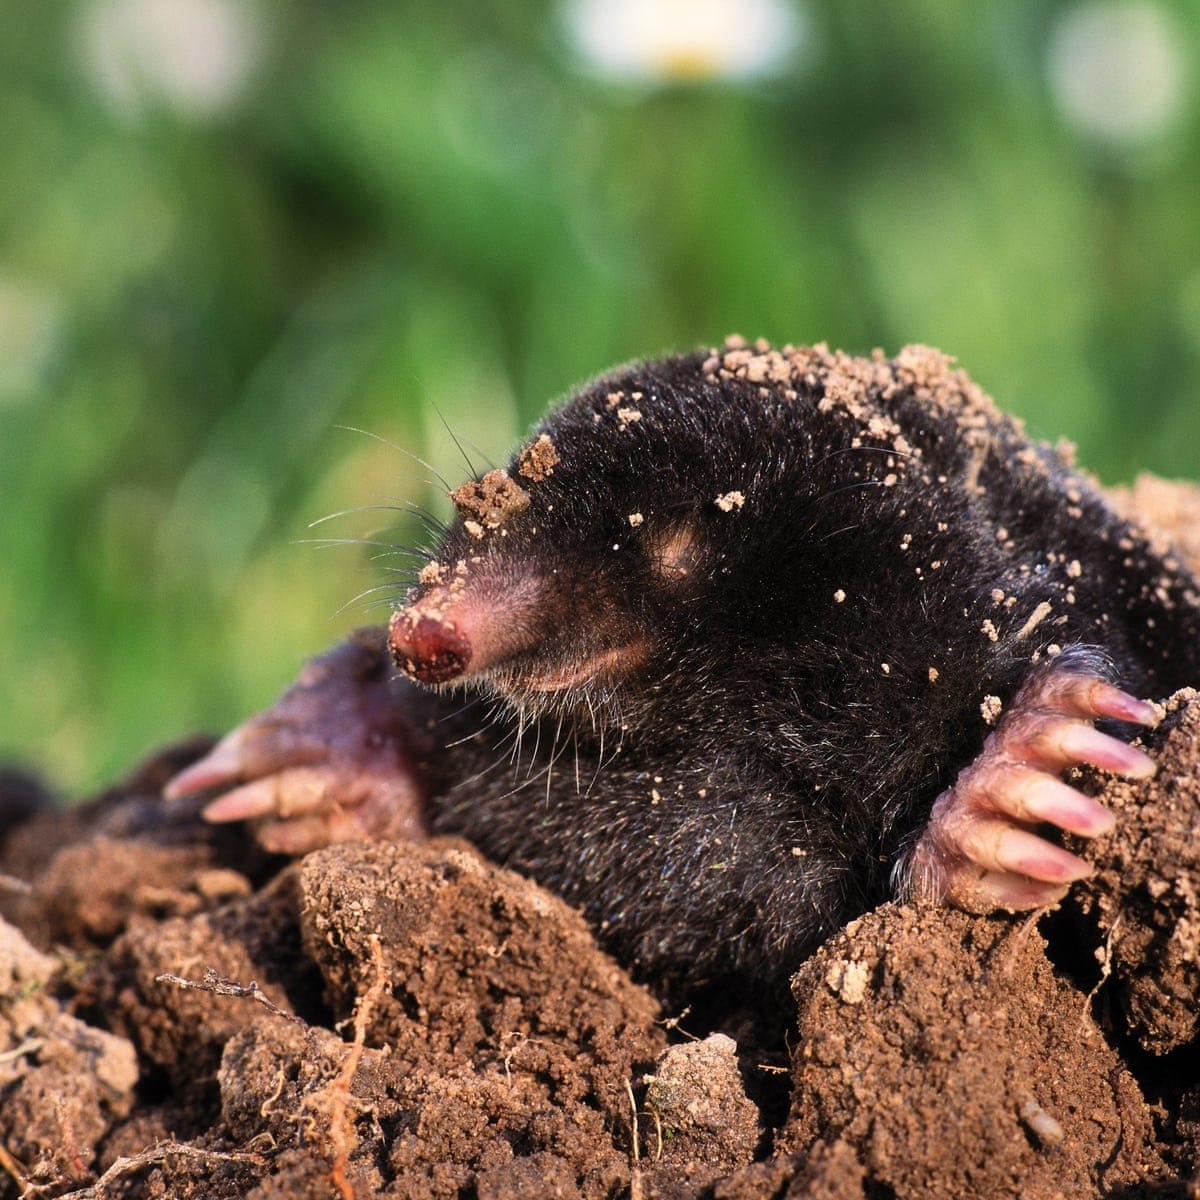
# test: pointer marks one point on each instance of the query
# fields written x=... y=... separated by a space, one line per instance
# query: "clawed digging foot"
x=980 y=849
x=331 y=761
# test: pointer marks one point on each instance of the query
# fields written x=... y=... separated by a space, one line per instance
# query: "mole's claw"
x=1070 y=692
x=1036 y=796
x=1002 y=847
x=245 y=803
x=980 y=849
x=300 y=835
x=332 y=760
x=1002 y=889
x=309 y=807
x=306 y=807
x=201 y=776
x=1110 y=701
x=256 y=748
x=1079 y=743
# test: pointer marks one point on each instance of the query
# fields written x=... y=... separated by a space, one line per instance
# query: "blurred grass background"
x=228 y=228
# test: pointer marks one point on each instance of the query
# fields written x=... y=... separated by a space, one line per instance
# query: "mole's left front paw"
x=980 y=850
x=332 y=760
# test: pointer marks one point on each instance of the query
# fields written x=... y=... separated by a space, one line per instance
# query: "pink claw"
x=1085 y=744
x=980 y=849
x=332 y=760
x=258 y=747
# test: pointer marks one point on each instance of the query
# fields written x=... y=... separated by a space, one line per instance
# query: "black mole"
x=750 y=638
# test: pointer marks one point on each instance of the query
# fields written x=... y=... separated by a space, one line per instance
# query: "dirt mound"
x=181 y=1016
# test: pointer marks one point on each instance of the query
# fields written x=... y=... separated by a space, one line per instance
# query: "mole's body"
x=734 y=622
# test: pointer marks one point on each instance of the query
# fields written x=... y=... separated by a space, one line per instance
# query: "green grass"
x=417 y=219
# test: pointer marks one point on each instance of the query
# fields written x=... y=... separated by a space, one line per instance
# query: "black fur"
x=815 y=679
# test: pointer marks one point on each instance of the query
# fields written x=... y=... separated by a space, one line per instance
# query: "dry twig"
x=127 y=1164
x=218 y=985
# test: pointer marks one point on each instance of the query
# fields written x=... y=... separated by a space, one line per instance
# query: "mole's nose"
x=429 y=649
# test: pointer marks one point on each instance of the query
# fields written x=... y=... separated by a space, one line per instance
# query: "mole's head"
x=629 y=552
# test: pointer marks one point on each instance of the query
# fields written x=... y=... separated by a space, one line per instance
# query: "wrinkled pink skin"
x=338 y=758
x=981 y=849
x=335 y=759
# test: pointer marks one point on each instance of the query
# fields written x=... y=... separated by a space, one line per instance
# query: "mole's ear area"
x=675 y=553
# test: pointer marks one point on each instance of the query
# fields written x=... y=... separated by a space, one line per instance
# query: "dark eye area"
x=675 y=553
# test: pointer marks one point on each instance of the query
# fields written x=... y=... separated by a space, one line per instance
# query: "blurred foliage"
x=416 y=218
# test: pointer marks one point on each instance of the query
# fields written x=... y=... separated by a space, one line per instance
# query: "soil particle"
x=538 y=459
x=461 y=1034
x=89 y=892
x=180 y=1032
x=857 y=386
x=506 y=988
x=827 y=1172
x=542 y=1175
x=63 y=1083
x=490 y=501
x=699 y=1108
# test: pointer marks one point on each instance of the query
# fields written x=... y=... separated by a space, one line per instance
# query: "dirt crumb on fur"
x=538 y=459
x=490 y=501
x=861 y=387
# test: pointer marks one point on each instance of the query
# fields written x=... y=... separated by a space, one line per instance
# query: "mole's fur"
x=735 y=619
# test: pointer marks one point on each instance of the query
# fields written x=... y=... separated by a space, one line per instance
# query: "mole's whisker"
x=408 y=453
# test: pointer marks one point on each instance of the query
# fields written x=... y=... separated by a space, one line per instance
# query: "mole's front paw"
x=331 y=761
x=980 y=850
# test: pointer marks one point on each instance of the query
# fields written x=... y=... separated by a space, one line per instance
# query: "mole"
x=739 y=644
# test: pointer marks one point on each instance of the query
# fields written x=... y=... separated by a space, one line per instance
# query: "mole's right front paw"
x=981 y=849
x=331 y=761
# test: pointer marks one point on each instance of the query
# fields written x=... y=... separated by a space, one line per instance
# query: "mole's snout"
x=464 y=630
x=428 y=648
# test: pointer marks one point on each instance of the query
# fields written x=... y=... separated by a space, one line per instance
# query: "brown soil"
x=491 y=500
x=412 y=1021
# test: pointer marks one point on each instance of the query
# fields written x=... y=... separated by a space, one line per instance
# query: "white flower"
x=194 y=56
x=1118 y=71
x=670 y=40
